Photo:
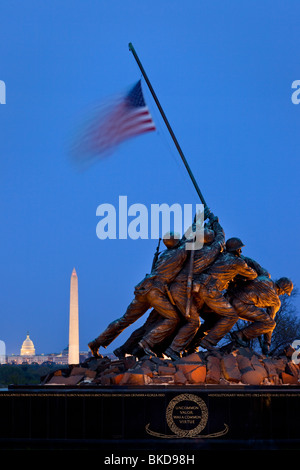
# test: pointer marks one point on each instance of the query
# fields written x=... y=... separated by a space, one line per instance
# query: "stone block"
x=128 y=362
x=147 y=363
x=252 y=377
x=98 y=364
x=117 y=379
x=146 y=370
x=292 y=369
x=246 y=352
x=230 y=370
x=157 y=361
x=213 y=371
x=77 y=370
x=108 y=372
x=275 y=380
x=289 y=351
x=270 y=367
x=134 y=379
x=61 y=380
x=244 y=364
x=166 y=370
x=255 y=361
x=163 y=379
x=259 y=366
x=106 y=379
x=289 y=379
x=186 y=368
x=90 y=373
x=180 y=378
x=197 y=375
x=280 y=364
x=224 y=381
x=194 y=358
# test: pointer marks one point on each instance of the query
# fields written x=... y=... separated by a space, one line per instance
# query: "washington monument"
x=73 y=321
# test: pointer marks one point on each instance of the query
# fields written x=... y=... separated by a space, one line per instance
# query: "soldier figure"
x=258 y=301
x=209 y=287
x=214 y=240
x=210 y=317
x=225 y=286
x=130 y=345
x=152 y=291
x=152 y=330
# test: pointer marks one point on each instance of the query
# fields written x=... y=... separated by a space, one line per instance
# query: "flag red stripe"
x=123 y=120
x=132 y=131
x=132 y=125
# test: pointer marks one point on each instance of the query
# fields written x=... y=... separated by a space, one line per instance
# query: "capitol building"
x=27 y=348
x=70 y=355
x=28 y=356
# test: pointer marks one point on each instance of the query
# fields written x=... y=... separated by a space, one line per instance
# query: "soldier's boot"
x=138 y=352
x=94 y=348
x=206 y=344
x=146 y=348
x=119 y=353
x=174 y=355
x=239 y=338
x=191 y=350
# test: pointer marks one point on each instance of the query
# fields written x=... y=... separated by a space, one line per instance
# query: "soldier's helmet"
x=171 y=239
x=285 y=284
x=234 y=244
x=209 y=235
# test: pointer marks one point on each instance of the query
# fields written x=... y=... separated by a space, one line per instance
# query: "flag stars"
x=135 y=96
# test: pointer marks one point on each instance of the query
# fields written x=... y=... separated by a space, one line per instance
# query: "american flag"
x=120 y=119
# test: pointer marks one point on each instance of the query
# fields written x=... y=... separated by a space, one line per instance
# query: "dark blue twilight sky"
x=223 y=72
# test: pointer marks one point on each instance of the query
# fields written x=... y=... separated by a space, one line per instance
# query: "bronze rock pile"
x=234 y=366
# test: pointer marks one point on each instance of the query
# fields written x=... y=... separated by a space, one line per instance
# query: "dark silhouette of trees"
x=287 y=328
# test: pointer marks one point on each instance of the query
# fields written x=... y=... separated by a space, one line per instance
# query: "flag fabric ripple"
x=124 y=117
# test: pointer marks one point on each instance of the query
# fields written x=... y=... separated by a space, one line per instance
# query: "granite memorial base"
x=161 y=420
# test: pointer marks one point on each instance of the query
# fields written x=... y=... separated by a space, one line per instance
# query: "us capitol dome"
x=27 y=348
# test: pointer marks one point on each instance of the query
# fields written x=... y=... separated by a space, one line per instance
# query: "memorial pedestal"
x=161 y=419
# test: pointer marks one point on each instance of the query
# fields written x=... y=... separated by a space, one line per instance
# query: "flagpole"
x=131 y=48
